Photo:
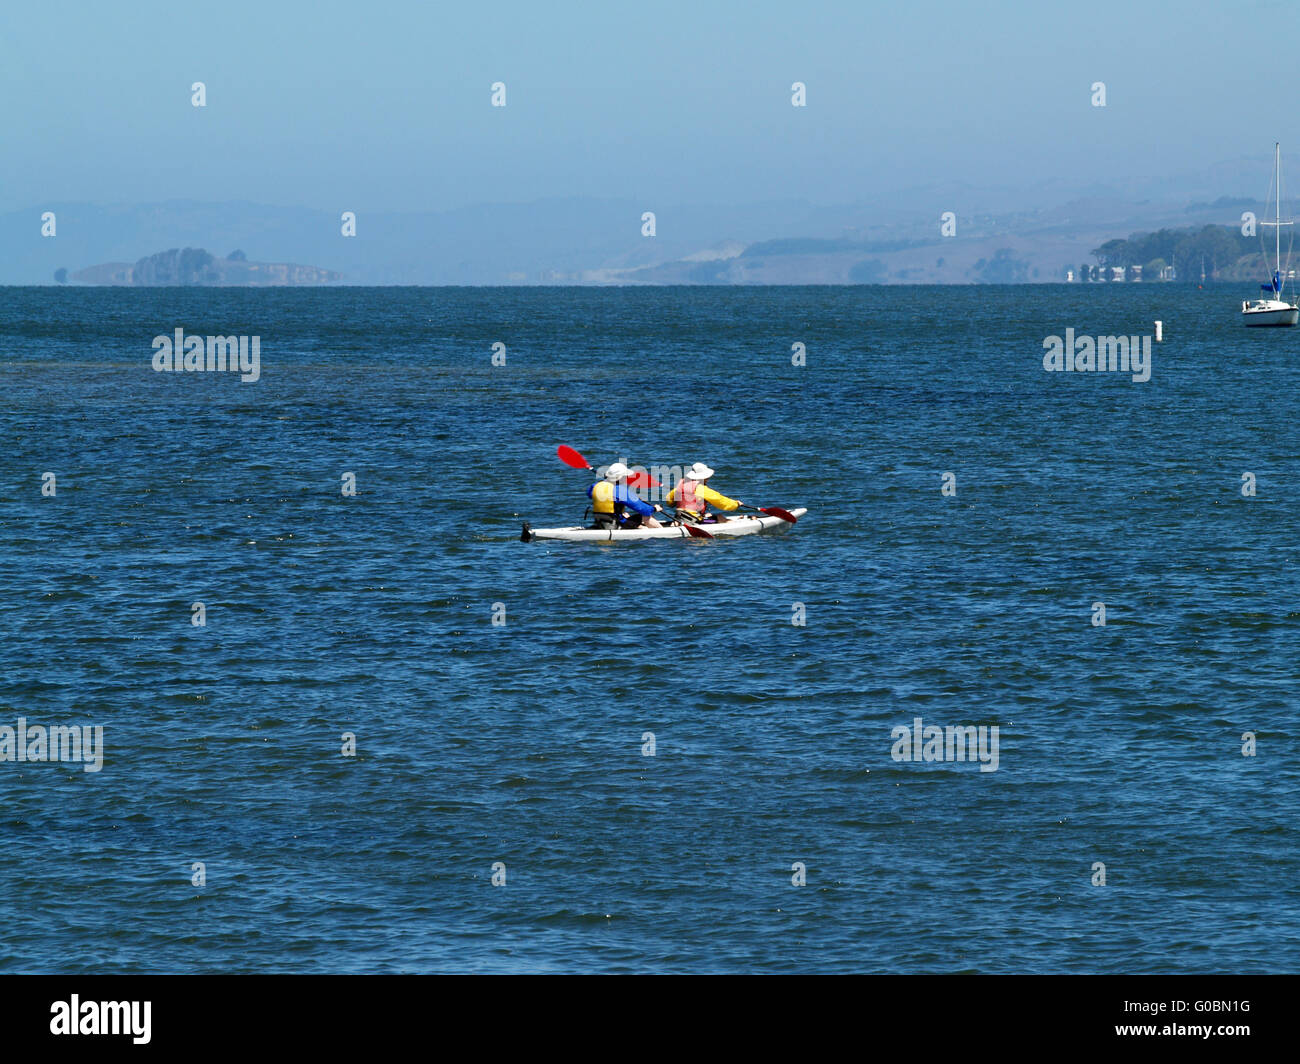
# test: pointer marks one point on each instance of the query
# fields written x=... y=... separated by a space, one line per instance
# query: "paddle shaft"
x=772 y=511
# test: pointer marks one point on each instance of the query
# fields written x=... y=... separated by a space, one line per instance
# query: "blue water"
x=522 y=743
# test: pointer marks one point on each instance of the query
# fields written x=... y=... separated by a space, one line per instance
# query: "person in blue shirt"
x=616 y=505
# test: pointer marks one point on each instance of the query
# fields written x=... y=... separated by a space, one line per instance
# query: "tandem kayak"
x=733 y=526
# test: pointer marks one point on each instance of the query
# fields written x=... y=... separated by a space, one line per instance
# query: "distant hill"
x=999 y=238
x=195 y=266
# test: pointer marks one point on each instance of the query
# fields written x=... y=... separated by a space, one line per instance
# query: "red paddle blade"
x=776 y=511
x=696 y=533
x=572 y=458
x=641 y=480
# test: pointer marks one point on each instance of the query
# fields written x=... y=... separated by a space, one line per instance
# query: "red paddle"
x=570 y=457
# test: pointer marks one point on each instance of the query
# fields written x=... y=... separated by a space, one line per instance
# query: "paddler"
x=615 y=505
x=692 y=496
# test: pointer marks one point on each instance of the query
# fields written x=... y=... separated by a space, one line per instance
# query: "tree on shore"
x=1002 y=268
x=1222 y=248
x=1113 y=253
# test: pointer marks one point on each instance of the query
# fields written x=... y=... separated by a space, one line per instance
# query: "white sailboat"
x=1273 y=309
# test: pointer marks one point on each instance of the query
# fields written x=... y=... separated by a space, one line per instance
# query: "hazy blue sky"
x=386 y=105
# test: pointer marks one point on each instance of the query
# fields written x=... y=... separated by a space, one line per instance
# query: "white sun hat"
x=699 y=471
x=617 y=472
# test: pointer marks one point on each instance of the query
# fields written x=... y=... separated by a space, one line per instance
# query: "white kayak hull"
x=734 y=526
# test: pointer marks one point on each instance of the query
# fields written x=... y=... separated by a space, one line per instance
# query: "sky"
x=387 y=105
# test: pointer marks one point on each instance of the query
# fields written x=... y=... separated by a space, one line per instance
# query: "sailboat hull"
x=1277 y=314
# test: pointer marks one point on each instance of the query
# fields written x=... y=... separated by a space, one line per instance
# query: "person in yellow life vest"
x=616 y=505
x=692 y=496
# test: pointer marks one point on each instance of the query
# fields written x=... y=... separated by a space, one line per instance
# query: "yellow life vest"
x=602 y=497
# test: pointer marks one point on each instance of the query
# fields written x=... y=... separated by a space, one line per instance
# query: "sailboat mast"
x=1277 y=207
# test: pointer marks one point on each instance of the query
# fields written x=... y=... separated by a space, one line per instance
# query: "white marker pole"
x=1160 y=328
